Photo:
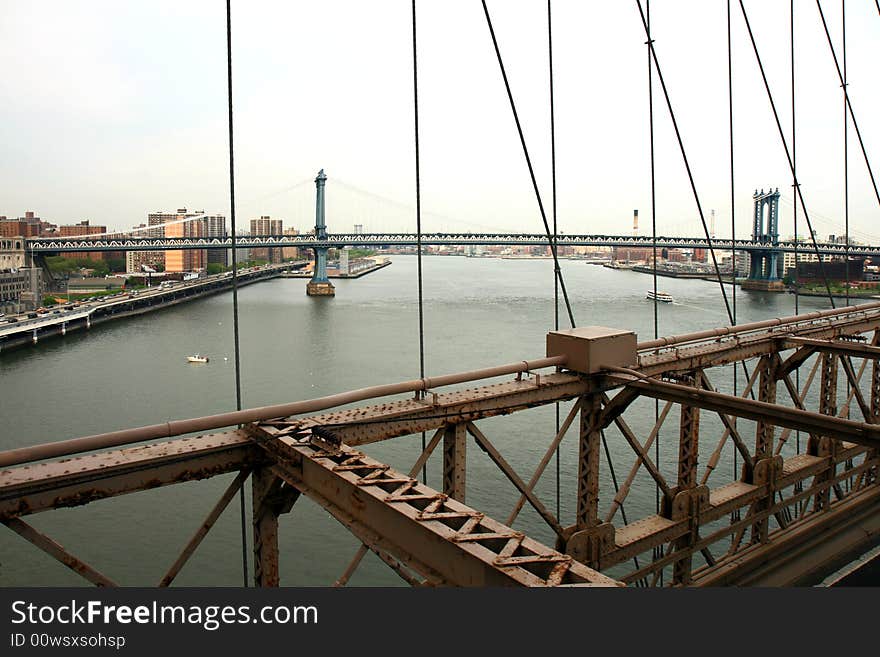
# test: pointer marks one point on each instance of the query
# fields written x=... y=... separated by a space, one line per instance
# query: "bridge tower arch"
x=320 y=285
x=764 y=271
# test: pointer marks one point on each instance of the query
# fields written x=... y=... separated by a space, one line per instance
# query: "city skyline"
x=123 y=108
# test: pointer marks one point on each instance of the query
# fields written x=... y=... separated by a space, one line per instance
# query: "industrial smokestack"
x=635 y=223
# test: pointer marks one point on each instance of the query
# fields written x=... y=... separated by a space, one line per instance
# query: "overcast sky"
x=110 y=110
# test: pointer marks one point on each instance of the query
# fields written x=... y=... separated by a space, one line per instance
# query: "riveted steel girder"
x=84 y=479
x=422 y=528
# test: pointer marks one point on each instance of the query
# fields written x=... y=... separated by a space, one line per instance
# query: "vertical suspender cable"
x=687 y=165
x=418 y=218
x=845 y=170
x=845 y=157
x=653 y=230
x=522 y=140
x=244 y=563
x=794 y=182
x=852 y=114
x=787 y=152
x=732 y=201
x=550 y=238
x=555 y=226
x=658 y=551
x=653 y=179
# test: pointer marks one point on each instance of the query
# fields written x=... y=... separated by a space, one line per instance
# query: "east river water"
x=478 y=313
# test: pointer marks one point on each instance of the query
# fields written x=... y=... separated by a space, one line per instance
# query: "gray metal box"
x=589 y=348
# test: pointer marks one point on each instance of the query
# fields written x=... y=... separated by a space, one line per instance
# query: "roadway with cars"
x=22 y=328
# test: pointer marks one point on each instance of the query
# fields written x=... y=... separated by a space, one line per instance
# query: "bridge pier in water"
x=320 y=285
x=764 y=271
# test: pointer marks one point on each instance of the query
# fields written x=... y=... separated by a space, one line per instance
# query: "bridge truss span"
x=774 y=485
x=49 y=246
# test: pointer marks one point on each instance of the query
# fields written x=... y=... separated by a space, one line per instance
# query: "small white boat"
x=197 y=358
x=664 y=297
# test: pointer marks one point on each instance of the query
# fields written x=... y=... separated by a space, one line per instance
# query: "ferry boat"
x=664 y=297
x=197 y=358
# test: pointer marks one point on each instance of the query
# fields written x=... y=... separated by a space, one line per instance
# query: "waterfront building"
x=186 y=260
x=27 y=226
x=265 y=225
x=21 y=287
x=215 y=226
x=83 y=229
x=290 y=251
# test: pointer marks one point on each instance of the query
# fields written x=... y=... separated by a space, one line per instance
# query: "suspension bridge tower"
x=764 y=271
x=320 y=285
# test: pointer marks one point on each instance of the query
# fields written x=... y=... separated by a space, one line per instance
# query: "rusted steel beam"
x=857 y=432
x=689 y=357
x=57 y=551
x=870 y=476
x=793 y=362
x=798 y=399
x=84 y=479
x=419 y=526
x=642 y=454
x=587 y=512
x=854 y=382
x=566 y=424
x=204 y=528
x=416 y=468
x=824 y=445
x=688 y=445
x=614 y=407
x=455 y=461
x=206 y=423
x=684 y=504
x=795 y=554
x=514 y=478
x=766 y=393
x=778 y=323
x=713 y=512
x=620 y=497
x=716 y=454
x=764 y=473
x=844 y=412
x=838 y=347
x=369 y=424
x=371 y=541
x=271 y=497
x=730 y=430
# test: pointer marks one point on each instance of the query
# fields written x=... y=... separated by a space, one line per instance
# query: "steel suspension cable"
x=522 y=140
x=550 y=238
x=845 y=157
x=732 y=201
x=843 y=86
x=244 y=562
x=653 y=231
x=653 y=178
x=418 y=218
x=846 y=99
x=794 y=182
x=787 y=152
x=555 y=226
x=653 y=52
x=685 y=158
